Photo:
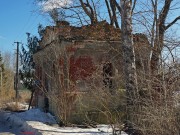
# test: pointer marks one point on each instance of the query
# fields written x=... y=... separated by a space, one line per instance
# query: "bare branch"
x=109 y=11
x=84 y=8
x=170 y=51
x=114 y=17
x=173 y=22
x=133 y=6
x=91 y=13
x=117 y=5
x=164 y=13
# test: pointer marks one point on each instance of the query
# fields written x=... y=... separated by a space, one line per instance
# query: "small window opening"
x=107 y=74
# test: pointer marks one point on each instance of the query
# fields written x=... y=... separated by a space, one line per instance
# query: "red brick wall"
x=81 y=68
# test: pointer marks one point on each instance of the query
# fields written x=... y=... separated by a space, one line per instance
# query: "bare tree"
x=7 y=78
x=90 y=10
x=83 y=11
x=161 y=28
x=128 y=55
x=157 y=27
x=111 y=7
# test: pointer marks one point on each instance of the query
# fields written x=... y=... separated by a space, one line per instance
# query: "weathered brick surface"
x=71 y=56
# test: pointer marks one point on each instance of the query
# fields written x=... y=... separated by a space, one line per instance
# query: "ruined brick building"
x=73 y=60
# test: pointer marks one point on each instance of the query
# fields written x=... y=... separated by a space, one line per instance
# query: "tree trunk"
x=30 y=102
x=156 y=53
x=161 y=28
x=128 y=56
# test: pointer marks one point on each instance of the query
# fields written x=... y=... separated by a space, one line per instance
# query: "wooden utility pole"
x=17 y=69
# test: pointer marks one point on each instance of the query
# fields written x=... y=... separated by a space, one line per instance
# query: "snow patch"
x=49 y=130
x=37 y=115
x=34 y=121
x=17 y=123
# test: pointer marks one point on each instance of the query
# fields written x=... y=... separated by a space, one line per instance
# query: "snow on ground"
x=37 y=115
x=49 y=130
x=35 y=122
x=17 y=124
x=4 y=127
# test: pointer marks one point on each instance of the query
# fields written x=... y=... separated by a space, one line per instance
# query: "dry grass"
x=6 y=96
x=154 y=119
x=14 y=106
x=8 y=101
x=156 y=110
x=7 y=92
x=25 y=96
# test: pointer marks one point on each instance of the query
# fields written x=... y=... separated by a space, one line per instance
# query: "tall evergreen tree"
x=26 y=72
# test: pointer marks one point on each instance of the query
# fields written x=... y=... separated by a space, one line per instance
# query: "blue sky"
x=17 y=18
x=20 y=16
